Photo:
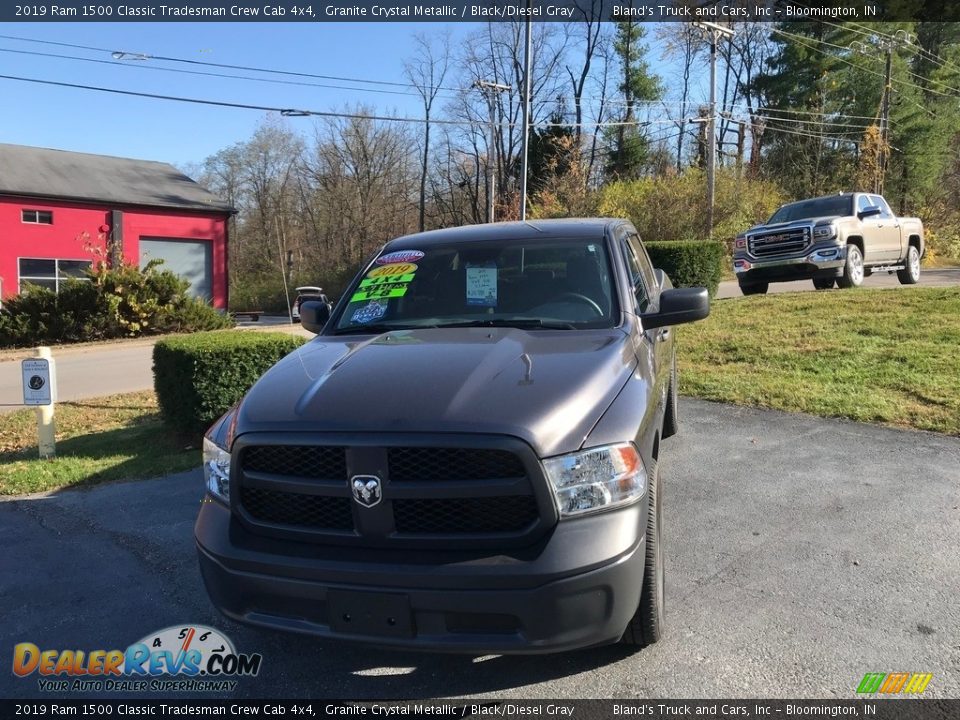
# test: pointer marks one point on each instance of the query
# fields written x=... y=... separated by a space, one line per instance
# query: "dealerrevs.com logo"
x=190 y=658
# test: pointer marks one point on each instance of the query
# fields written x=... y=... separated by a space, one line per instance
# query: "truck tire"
x=825 y=284
x=852 y=269
x=646 y=626
x=670 y=424
x=755 y=289
x=910 y=275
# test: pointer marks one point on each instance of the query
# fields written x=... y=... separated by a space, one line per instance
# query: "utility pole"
x=716 y=31
x=527 y=85
x=489 y=89
x=886 y=45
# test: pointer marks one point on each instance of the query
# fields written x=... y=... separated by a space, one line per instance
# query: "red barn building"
x=55 y=206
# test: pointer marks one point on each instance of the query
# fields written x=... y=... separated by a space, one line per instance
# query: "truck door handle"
x=663 y=334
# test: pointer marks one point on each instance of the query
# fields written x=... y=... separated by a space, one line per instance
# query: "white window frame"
x=57 y=277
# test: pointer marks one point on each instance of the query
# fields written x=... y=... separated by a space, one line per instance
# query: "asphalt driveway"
x=802 y=553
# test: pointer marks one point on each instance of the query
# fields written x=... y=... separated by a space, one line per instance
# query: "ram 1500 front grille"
x=783 y=242
x=423 y=495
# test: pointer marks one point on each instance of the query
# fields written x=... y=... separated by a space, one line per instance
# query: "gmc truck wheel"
x=853 y=269
x=823 y=284
x=646 y=626
x=755 y=289
x=910 y=275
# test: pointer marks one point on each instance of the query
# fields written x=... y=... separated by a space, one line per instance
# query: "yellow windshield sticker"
x=393 y=269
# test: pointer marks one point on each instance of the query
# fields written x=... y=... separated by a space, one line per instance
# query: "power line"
x=203 y=73
x=297 y=112
x=147 y=56
x=289 y=112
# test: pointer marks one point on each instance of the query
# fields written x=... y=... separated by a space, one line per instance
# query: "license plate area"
x=368 y=613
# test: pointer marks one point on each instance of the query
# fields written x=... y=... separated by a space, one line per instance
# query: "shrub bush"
x=673 y=207
x=198 y=377
x=111 y=302
x=690 y=263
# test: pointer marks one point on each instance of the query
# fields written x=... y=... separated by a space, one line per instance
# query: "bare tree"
x=427 y=71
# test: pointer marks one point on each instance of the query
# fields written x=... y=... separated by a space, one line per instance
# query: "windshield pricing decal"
x=385 y=280
x=393 y=269
x=380 y=292
x=482 y=285
x=400 y=256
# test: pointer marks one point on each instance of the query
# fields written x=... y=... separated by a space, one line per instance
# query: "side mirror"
x=314 y=315
x=677 y=306
x=869 y=211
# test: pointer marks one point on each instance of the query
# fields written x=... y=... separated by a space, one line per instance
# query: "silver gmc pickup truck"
x=834 y=239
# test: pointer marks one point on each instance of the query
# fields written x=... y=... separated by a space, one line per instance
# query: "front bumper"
x=824 y=261
x=577 y=587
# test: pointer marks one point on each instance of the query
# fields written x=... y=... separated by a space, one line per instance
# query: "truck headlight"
x=823 y=232
x=597 y=479
x=216 y=470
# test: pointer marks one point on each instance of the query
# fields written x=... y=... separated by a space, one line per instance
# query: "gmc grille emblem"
x=366 y=489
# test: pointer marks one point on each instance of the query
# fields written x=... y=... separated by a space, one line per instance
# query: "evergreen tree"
x=629 y=145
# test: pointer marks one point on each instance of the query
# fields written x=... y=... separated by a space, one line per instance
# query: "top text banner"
x=716 y=11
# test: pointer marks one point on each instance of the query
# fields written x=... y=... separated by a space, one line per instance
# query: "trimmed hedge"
x=690 y=263
x=199 y=377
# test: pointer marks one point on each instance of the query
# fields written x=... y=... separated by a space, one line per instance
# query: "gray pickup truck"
x=466 y=457
x=834 y=239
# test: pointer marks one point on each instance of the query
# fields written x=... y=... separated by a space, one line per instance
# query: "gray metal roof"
x=45 y=173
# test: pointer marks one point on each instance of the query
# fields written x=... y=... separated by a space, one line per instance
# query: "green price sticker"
x=379 y=292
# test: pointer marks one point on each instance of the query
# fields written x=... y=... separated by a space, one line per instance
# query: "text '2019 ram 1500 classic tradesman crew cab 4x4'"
x=465 y=458
x=834 y=239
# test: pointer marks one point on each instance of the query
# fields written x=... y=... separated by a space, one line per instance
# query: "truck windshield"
x=550 y=284
x=837 y=206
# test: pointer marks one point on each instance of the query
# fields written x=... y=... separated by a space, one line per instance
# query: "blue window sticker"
x=368 y=313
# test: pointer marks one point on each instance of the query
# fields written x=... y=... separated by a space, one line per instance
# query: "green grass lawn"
x=113 y=438
x=886 y=356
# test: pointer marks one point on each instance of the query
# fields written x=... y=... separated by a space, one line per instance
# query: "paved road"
x=802 y=553
x=928 y=278
x=98 y=370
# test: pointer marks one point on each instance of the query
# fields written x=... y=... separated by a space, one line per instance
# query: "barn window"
x=51 y=273
x=37 y=217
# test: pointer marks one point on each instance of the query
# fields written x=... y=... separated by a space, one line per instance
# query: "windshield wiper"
x=513 y=322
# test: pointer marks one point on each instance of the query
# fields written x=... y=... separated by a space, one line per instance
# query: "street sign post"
x=40 y=390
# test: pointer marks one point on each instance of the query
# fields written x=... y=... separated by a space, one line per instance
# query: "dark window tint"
x=837 y=205
x=42 y=217
x=73 y=268
x=50 y=273
x=31 y=267
x=640 y=294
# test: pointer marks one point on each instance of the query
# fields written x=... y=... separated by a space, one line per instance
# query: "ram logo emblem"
x=366 y=489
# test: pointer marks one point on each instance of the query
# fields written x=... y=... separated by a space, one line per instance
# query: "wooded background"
x=800 y=110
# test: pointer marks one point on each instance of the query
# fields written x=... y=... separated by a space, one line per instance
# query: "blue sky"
x=180 y=133
x=95 y=122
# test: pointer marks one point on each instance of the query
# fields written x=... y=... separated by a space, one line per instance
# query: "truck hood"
x=548 y=387
x=793 y=223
